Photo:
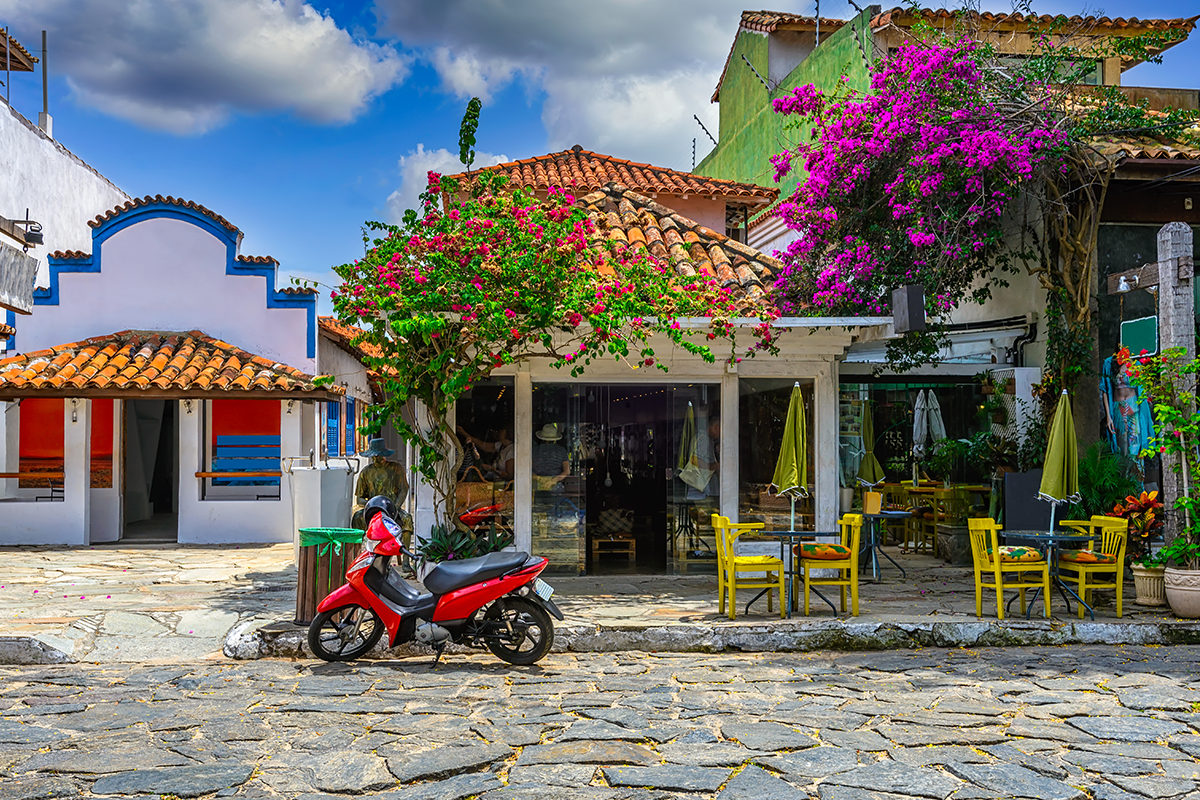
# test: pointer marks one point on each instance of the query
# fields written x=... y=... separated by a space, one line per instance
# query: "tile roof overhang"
x=348 y=338
x=585 y=171
x=6 y=331
x=691 y=249
x=155 y=364
x=14 y=56
x=769 y=22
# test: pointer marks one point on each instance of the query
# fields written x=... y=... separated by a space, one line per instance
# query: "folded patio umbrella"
x=1060 y=475
x=791 y=468
x=920 y=425
x=870 y=471
x=687 y=440
x=937 y=427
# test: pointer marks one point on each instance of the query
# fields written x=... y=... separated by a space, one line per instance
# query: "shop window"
x=484 y=416
x=102 y=444
x=762 y=415
x=244 y=438
x=41 y=442
x=351 y=426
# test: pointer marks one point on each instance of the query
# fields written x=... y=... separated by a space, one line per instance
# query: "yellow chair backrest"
x=720 y=528
x=850 y=526
x=985 y=539
x=872 y=502
x=1113 y=533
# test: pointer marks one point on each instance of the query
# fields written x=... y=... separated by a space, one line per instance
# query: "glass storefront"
x=762 y=412
x=625 y=477
x=484 y=418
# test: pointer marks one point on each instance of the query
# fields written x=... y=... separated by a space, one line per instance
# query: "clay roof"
x=258 y=260
x=21 y=60
x=625 y=216
x=70 y=255
x=584 y=171
x=6 y=331
x=769 y=22
x=138 y=202
x=348 y=337
x=1145 y=147
x=153 y=363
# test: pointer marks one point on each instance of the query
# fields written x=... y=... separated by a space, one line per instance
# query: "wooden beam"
x=263 y=474
x=31 y=475
x=20 y=393
x=1146 y=275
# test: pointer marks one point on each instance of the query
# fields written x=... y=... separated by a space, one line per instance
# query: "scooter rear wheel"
x=332 y=636
x=532 y=631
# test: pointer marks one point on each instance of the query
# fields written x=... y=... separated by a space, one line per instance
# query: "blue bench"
x=246 y=454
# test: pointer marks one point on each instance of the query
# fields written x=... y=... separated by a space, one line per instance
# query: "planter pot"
x=954 y=545
x=1149 y=584
x=1183 y=591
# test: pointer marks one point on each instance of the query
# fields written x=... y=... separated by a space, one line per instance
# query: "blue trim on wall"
x=10 y=319
x=123 y=219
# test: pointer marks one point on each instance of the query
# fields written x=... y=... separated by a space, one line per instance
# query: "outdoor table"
x=786 y=540
x=874 y=546
x=1052 y=539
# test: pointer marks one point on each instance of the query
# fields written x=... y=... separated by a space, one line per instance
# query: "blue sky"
x=299 y=122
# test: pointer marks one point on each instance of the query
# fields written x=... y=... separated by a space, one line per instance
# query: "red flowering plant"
x=1169 y=381
x=486 y=277
x=1144 y=512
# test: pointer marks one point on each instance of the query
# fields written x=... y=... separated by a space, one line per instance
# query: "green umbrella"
x=791 y=469
x=870 y=471
x=1060 y=475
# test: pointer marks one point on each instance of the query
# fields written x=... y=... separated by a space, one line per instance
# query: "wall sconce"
x=289 y=406
x=187 y=407
x=1126 y=283
x=74 y=410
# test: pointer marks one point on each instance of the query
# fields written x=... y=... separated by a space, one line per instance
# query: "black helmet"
x=377 y=504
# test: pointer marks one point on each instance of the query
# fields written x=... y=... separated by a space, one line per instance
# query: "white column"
x=523 y=461
x=824 y=439
x=729 y=443
x=192 y=521
x=10 y=420
x=291 y=443
x=77 y=463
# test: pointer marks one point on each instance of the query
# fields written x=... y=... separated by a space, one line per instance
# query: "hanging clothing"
x=1132 y=421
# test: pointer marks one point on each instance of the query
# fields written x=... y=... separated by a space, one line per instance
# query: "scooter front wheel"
x=344 y=633
x=521 y=631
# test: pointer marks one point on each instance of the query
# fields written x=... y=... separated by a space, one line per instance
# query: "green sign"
x=1140 y=335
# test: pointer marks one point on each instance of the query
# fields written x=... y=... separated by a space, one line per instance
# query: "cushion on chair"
x=767 y=560
x=1017 y=554
x=1086 y=557
x=821 y=550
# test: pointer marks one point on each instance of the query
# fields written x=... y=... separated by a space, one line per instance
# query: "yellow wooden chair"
x=843 y=557
x=730 y=564
x=994 y=560
x=1081 y=566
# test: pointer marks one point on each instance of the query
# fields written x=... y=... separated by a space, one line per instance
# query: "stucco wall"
x=59 y=189
x=346 y=370
x=168 y=274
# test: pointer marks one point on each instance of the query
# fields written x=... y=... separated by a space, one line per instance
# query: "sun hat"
x=549 y=433
x=375 y=448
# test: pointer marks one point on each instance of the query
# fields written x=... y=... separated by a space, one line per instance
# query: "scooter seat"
x=450 y=575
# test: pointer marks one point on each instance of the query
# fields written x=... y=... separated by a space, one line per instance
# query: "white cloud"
x=186 y=65
x=415 y=167
x=619 y=76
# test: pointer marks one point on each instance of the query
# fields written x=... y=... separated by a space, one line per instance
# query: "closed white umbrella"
x=920 y=425
x=937 y=426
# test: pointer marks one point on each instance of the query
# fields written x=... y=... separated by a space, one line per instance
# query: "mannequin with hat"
x=551 y=462
x=381 y=477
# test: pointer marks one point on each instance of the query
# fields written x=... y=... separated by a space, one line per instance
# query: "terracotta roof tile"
x=138 y=202
x=584 y=171
x=258 y=260
x=691 y=249
x=298 y=290
x=1146 y=147
x=131 y=362
x=6 y=330
x=70 y=255
x=348 y=338
x=22 y=60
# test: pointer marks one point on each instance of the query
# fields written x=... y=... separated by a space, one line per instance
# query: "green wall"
x=750 y=130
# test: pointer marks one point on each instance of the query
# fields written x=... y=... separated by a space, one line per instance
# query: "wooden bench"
x=56 y=490
x=246 y=461
x=615 y=547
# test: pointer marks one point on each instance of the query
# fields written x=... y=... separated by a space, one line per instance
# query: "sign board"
x=1140 y=334
x=17 y=274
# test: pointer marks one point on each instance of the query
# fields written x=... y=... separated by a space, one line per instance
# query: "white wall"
x=106 y=503
x=209 y=521
x=59 y=189
x=167 y=274
x=347 y=371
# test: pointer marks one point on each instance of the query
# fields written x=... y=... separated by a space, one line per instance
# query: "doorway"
x=150 y=507
x=608 y=496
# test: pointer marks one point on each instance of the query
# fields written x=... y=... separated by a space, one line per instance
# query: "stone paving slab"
x=192 y=731
x=183 y=604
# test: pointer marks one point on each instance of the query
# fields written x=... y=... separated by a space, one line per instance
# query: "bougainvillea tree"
x=484 y=277
x=959 y=167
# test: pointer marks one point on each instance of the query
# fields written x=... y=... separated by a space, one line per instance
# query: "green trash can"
x=325 y=555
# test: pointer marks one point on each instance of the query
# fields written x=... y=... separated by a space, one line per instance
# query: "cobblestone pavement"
x=1047 y=723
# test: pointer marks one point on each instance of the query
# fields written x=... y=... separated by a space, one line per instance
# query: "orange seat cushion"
x=1017 y=554
x=827 y=552
x=1086 y=557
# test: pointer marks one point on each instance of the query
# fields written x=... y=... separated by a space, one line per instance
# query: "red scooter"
x=495 y=601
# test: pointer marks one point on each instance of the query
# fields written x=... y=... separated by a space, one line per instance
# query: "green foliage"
x=1105 y=479
x=493 y=540
x=991 y=451
x=466 y=133
x=448 y=544
x=944 y=457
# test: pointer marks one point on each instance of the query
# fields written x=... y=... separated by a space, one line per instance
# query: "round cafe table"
x=787 y=538
x=1052 y=540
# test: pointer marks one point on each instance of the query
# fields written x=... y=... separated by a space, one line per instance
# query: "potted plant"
x=450 y=544
x=1144 y=513
x=1169 y=380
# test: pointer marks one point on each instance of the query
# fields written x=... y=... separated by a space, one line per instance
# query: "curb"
x=286 y=640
